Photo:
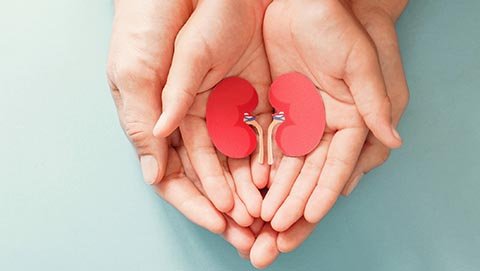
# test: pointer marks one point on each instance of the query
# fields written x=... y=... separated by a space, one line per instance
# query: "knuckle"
x=134 y=72
x=204 y=151
x=382 y=105
x=137 y=73
x=311 y=166
x=334 y=161
x=194 y=43
x=138 y=132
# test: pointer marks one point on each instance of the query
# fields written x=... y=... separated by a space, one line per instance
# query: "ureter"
x=271 y=127
x=259 y=129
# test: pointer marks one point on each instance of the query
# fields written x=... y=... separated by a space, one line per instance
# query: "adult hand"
x=341 y=62
x=323 y=40
x=145 y=36
x=379 y=21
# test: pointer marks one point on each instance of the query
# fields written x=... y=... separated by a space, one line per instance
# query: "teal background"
x=72 y=198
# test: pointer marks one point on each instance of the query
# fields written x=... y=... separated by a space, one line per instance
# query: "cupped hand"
x=379 y=19
x=172 y=51
x=323 y=40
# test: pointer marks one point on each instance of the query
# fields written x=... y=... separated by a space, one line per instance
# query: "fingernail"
x=149 y=168
x=156 y=128
x=396 y=134
x=351 y=186
x=244 y=256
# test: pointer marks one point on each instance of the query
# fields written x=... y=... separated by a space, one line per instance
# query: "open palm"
x=378 y=19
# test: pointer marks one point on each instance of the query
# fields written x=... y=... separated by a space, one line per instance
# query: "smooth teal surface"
x=72 y=198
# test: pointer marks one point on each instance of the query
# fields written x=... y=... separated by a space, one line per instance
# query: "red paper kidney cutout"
x=226 y=105
x=296 y=96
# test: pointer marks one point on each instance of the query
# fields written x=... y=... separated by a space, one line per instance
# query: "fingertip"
x=163 y=127
x=278 y=225
x=398 y=138
x=262 y=257
x=215 y=223
x=240 y=214
x=348 y=189
x=319 y=204
x=386 y=133
x=266 y=213
x=224 y=204
x=284 y=244
x=255 y=208
x=264 y=251
x=311 y=216
x=218 y=225
x=150 y=169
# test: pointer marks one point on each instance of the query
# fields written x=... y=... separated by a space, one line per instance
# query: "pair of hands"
x=166 y=56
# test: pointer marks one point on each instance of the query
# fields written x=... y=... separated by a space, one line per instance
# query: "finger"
x=364 y=77
x=188 y=169
x=294 y=205
x=264 y=251
x=239 y=237
x=244 y=186
x=373 y=154
x=239 y=212
x=190 y=65
x=180 y=192
x=383 y=34
x=289 y=240
x=137 y=113
x=205 y=162
x=282 y=183
x=341 y=159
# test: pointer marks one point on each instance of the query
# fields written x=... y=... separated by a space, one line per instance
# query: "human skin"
x=182 y=188
x=223 y=50
x=137 y=74
x=378 y=19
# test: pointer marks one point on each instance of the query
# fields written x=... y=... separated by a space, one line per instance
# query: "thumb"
x=190 y=65
x=365 y=79
x=138 y=107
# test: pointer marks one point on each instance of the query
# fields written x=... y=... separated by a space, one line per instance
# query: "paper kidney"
x=226 y=106
x=301 y=131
